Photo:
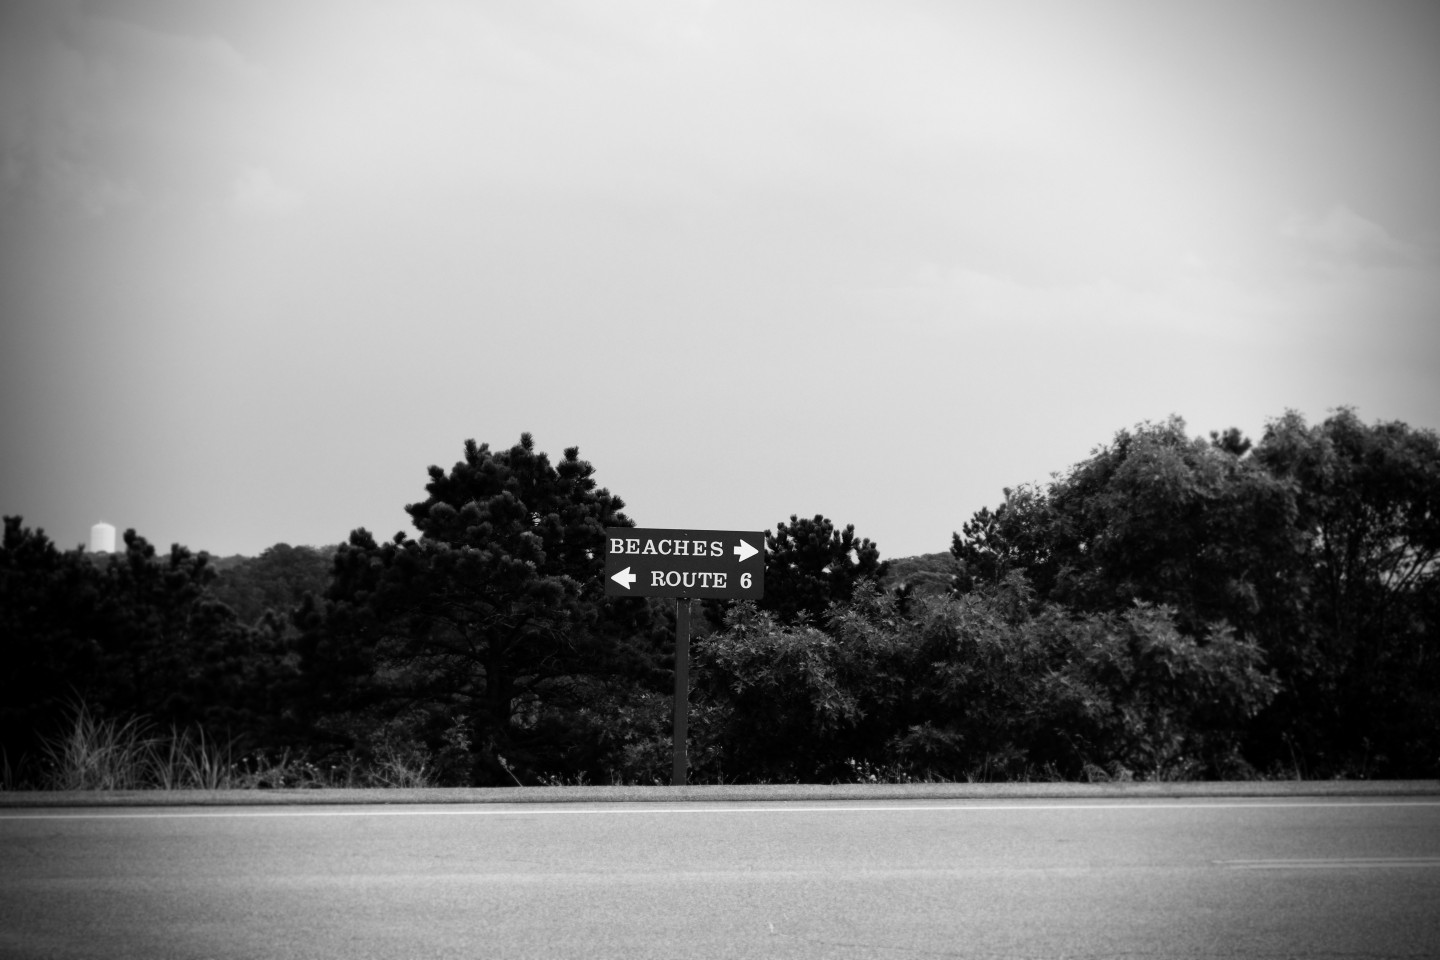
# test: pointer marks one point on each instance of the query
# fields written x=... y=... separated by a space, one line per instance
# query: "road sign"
x=708 y=564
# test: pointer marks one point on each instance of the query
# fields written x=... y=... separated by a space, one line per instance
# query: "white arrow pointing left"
x=745 y=551
x=625 y=578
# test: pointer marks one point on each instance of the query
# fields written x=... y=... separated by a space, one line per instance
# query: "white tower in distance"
x=102 y=538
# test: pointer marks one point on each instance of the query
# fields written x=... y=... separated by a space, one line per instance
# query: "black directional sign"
x=712 y=564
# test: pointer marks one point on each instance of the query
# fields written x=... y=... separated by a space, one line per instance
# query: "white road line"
x=763 y=807
x=1341 y=863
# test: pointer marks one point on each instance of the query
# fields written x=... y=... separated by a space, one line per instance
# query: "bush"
x=987 y=686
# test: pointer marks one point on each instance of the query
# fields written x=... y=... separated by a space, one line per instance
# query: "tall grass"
x=400 y=768
x=94 y=753
x=188 y=761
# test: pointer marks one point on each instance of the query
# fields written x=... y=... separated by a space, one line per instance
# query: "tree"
x=809 y=565
x=133 y=634
x=1358 y=639
x=1015 y=536
x=488 y=629
x=276 y=581
x=46 y=650
x=1320 y=545
x=1154 y=516
x=1369 y=506
x=1165 y=519
x=991 y=685
x=789 y=698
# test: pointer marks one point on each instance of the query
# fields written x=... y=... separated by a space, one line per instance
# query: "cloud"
x=1343 y=236
x=964 y=298
x=35 y=176
x=99 y=114
x=256 y=196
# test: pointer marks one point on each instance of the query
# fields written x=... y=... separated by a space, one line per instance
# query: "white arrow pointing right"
x=745 y=551
x=625 y=578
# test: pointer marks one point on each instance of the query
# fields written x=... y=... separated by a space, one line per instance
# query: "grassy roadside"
x=108 y=755
x=723 y=793
x=106 y=763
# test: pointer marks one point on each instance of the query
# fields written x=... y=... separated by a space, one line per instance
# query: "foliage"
x=171 y=651
x=1318 y=546
x=1155 y=517
x=1015 y=537
x=1164 y=705
x=1355 y=632
x=274 y=583
x=129 y=634
x=981 y=686
x=1170 y=607
x=493 y=618
x=94 y=753
x=789 y=699
x=46 y=648
x=809 y=565
x=927 y=575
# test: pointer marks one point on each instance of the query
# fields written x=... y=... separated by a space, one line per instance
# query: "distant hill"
x=276 y=580
x=928 y=574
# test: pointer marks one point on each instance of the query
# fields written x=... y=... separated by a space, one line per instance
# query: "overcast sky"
x=262 y=263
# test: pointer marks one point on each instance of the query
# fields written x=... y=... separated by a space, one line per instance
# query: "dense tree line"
x=131 y=633
x=1318 y=545
x=1171 y=607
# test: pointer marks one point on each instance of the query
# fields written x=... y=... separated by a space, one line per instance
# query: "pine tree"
x=493 y=623
x=809 y=565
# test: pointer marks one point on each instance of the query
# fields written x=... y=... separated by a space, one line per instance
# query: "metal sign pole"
x=682 y=686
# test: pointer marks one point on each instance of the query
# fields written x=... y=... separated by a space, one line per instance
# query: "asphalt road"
x=1335 y=877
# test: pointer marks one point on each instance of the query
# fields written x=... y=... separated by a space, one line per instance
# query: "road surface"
x=1255 y=878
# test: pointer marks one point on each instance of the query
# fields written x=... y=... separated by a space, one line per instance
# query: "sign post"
x=682 y=690
x=684 y=564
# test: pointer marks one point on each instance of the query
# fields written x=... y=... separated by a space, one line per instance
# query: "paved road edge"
x=727 y=792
